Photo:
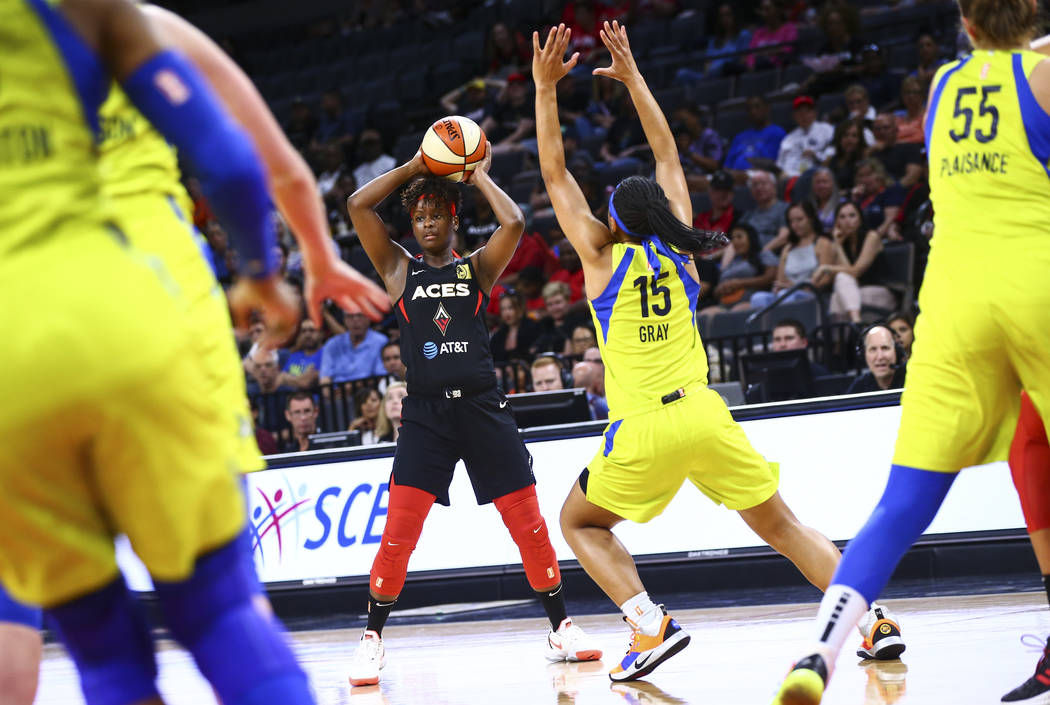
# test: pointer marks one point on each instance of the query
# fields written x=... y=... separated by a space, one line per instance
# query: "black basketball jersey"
x=444 y=339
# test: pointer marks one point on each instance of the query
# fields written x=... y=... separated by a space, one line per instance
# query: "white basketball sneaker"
x=369 y=659
x=881 y=634
x=570 y=643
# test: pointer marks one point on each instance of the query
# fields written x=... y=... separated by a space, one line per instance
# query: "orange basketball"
x=453 y=146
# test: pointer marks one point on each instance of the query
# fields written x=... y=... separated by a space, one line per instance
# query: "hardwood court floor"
x=961 y=650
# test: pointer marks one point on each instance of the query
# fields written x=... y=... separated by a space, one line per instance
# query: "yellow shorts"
x=972 y=356
x=645 y=459
x=155 y=225
x=107 y=424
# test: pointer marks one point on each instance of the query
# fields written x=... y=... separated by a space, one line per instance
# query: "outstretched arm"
x=669 y=173
x=290 y=179
x=586 y=233
x=492 y=259
x=388 y=257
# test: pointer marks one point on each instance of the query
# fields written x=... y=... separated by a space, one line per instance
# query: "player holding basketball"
x=666 y=425
x=988 y=139
x=454 y=409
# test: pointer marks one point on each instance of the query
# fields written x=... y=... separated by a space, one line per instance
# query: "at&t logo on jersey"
x=432 y=350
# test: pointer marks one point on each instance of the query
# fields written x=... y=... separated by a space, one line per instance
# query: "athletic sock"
x=1046 y=586
x=643 y=614
x=840 y=610
x=554 y=605
x=377 y=614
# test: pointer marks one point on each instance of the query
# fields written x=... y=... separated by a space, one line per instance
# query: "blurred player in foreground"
x=988 y=139
x=127 y=422
x=642 y=290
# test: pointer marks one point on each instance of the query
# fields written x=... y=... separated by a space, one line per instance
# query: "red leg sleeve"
x=1030 y=466
x=406 y=511
x=521 y=514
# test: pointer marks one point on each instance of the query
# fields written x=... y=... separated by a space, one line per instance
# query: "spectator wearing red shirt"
x=721 y=215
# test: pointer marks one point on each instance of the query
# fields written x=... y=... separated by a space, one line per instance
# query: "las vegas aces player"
x=454 y=409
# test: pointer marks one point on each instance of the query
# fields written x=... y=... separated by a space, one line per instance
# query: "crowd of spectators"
x=815 y=176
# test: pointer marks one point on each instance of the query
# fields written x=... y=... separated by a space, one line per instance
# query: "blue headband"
x=652 y=244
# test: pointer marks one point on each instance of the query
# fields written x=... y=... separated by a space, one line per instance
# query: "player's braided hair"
x=430 y=187
x=643 y=207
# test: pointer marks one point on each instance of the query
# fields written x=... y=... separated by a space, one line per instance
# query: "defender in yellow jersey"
x=109 y=425
x=666 y=426
x=984 y=329
x=141 y=178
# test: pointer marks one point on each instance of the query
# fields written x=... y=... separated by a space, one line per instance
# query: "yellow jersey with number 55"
x=646 y=325
x=988 y=142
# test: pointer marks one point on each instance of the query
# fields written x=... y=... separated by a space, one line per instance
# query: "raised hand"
x=547 y=65
x=623 y=68
x=331 y=278
x=483 y=165
x=278 y=302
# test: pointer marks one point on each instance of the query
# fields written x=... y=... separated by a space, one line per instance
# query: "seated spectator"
x=301 y=413
x=773 y=31
x=373 y=162
x=512 y=118
x=569 y=271
x=529 y=283
x=589 y=374
x=301 y=126
x=881 y=84
x=859 y=107
x=756 y=147
x=839 y=56
x=903 y=162
x=546 y=371
x=367 y=402
x=910 y=119
x=789 y=334
x=884 y=371
x=476 y=225
x=825 y=197
x=750 y=270
x=337 y=125
x=219 y=254
x=388 y=423
x=722 y=214
x=470 y=100
x=303 y=365
x=392 y=363
x=727 y=39
x=607 y=96
x=264 y=372
x=847 y=150
x=532 y=251
x=572 y=109
x=807 y=248
x=807 y=145
x=877 y=199
x=903 y=326
x=584 y=18
x=353 y=354
x=701 y=147
x=625 y=142
x=333 y=166
x=767 y=217
x=559 y=321
x=929 y=60
x=263 y=438
x=506 y=52
x=859 y=268
x=517 y=333
x=583 y=338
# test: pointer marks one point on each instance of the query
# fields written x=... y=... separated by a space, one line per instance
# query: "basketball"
x=453 y=146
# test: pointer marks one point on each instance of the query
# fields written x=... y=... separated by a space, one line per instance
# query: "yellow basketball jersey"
x=646 y=325
x=50 y=87
x=988 y=142
x=135 y=158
